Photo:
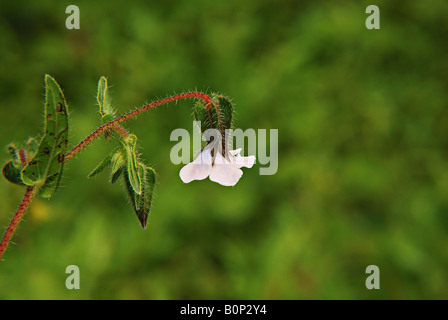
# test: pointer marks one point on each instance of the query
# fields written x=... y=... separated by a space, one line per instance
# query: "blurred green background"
x=363 y=149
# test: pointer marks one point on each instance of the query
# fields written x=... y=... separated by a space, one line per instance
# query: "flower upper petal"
x=199 y=169
x=235 y=152
x=224 y=172
x=240 y=161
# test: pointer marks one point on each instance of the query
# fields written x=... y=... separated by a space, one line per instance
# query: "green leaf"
x=116 y=174
x=207 y=117
x=12 y=169
x=32 y=145
x=132 y=163
x=118 y=165
x=218 y=116
x=101 y=166
x=45 y=168
x=142 y=202
x=13 y=150
x=106 y=110
x=108 y=117
x=200 y=114
x=225 y=109
x=12 y=173
x=29 y=149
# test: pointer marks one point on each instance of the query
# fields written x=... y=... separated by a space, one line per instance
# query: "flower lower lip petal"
x=193 y=171
x=225 y=174
x=199 y=169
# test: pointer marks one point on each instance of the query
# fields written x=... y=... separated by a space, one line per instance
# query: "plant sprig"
x=39 y=166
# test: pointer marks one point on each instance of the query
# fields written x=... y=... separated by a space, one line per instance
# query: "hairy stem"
x=16 y=219
x=112 y=125
x=121 y=131
x=22 y=157
x=95 y=134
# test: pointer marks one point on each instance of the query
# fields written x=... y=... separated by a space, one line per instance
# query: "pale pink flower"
x=225 y=171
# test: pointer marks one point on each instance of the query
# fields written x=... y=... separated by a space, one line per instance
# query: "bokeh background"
x=363 y=149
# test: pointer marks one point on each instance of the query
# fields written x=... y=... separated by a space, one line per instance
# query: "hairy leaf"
x=106 y=110
x=12 y=173
x=207 y=117
x=13 y=150
x=32 y=145
x=45 y=168
x=118 y=165
x=132 y=163
x=101 y=166
x=142 y=202
x=225 y=109
x=12 y=170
